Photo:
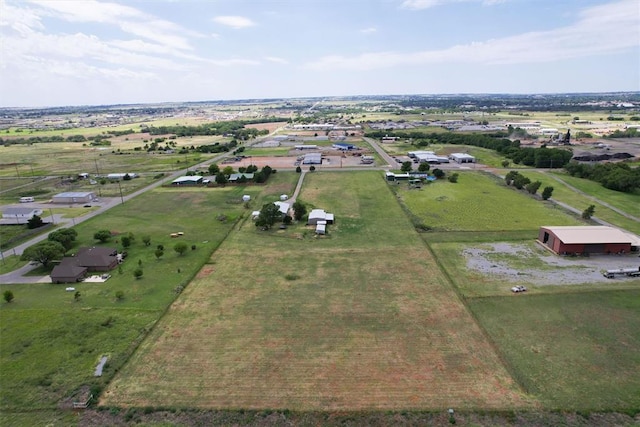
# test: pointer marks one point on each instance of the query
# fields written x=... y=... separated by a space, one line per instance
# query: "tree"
x=424 y=167
x=228 y=170
x=547 y=192
x=180 y=248
x=158 y=253
x=532 y=188
x=221 y=178
x=505 y=163
x=269 y=214
x=588 y=213
x=299 y=210
x=34 y=222
x=65 y=237
x=8 y=296
x=102 y=235
x=438 y=173
x=126 y=241
x=520 y=181
x=312 y=168
x=119 y=295
x=126 y=177
x=453 y=178
x=76 y=296
x=146 y=240
x=138 y=273
x=406 y=167
x=44 y=252
x=298 y=169
x=214 y=169
x=161 y=247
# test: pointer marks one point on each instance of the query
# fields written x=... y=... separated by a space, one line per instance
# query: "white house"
x=23 y=214
x=318 y=215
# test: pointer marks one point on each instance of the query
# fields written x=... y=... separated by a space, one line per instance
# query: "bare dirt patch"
x=528 y=262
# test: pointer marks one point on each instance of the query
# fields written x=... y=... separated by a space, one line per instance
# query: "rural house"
x=75 y=268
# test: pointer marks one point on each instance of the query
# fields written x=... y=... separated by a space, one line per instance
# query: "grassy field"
x=51 y=343
x=562 y=193
x=576 y=351
x=475 y=203
x=359 y=319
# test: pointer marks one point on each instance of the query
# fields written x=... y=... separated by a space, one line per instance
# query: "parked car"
x=518 y=288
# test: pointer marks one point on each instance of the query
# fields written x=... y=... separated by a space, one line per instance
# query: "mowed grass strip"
x=479 y=202
x=340 y=322
x=578 y=351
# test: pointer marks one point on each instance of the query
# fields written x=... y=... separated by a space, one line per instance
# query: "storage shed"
x=74 y=197
x=587 y=240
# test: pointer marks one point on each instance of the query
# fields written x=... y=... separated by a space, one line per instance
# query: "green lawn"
x=478 y=202
x=51 y=343
x=577 y=351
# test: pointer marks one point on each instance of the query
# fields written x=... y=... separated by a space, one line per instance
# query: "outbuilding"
x=188 y=180
x=587 y=240
x=312 y=159
x=74 y=197
x=462 y=158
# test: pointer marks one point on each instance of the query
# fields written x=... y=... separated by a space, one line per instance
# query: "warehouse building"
x=587 y=240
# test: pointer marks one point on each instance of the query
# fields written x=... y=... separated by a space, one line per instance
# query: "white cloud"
x=236 y=22
x=426 y=4
x=276 y=60
x=604 y=29
x=369 y=30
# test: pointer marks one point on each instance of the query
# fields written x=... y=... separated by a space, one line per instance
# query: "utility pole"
x=120 y=187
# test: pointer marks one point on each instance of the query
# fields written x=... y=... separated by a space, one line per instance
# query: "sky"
x=94 y=52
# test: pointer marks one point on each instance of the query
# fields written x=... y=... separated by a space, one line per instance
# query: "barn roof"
x=592 y=234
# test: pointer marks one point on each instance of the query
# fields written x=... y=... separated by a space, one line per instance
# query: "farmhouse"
x=587 y=240
x=319 y=215
x=312 y=159
x=235 y=177
x=74 y=268
x=119 y=176
x=462 y=158
x=74 y=197
x=187 y=180
x=23 y=214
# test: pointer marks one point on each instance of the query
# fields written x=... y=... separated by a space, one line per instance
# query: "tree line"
x=614 y=176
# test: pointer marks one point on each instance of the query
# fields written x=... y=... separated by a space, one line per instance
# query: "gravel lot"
x=513 y=260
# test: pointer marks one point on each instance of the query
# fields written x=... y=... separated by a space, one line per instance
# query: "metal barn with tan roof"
x=587 y=240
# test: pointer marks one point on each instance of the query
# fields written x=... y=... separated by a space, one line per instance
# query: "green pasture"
x=562 y=193
x=478 y=202
x=51 y=343
x=359 y=319
x=627 y=202
x=574 y=351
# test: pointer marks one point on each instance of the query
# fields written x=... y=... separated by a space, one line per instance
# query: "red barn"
x=587 y=240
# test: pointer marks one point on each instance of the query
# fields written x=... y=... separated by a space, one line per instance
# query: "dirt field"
x=508 y=260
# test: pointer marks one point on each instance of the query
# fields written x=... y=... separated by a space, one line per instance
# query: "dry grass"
x=362 y=327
